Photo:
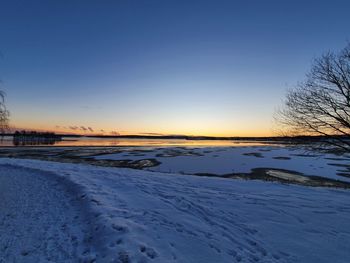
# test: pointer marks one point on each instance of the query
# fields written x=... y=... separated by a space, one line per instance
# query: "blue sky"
x=174 y=67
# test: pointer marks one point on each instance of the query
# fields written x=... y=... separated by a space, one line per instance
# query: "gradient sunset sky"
x=169 y=67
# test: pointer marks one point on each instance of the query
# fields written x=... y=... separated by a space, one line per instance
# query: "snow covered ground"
x=40 y=218
x=239 y=159
x=73 y=212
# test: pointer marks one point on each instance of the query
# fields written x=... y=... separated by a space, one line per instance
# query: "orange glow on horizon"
x=145 y=131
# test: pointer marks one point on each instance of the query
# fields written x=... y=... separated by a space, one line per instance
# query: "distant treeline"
x=185 y=137
x=34 y=134
x=293 y=139
x=180 y=137
x=24 y=138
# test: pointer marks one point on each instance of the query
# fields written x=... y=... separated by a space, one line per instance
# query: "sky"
x=218 y=68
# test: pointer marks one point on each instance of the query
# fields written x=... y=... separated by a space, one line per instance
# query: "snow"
x=40 y=219
x=225 y=160
x=124 y=215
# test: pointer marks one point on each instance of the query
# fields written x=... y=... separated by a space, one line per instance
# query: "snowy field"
x=54 y=212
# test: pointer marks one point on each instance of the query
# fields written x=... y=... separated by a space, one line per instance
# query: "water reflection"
x=10 y=141
x=34 y=141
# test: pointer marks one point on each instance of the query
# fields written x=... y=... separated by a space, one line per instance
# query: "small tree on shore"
x=4 y=114
x=321 y=104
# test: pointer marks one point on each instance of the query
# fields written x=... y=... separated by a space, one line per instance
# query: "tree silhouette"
x=4 y=114
x=321 y=104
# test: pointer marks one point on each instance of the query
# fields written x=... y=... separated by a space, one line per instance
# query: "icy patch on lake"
x=287 y=176
x=226 y=160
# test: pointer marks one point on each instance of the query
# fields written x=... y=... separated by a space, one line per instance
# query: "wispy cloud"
x=152 y=133
x=77 y=128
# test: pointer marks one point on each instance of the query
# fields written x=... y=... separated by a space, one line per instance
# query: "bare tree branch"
x=321 y=104
x=4 y=114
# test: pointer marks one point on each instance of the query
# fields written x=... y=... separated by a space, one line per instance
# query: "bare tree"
x=321 y=104
x=4 y=114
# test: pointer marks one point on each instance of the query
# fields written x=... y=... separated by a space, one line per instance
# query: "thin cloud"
x=152 y=133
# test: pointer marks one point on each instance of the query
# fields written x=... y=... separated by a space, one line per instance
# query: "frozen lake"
x=224 y=158
x=239 y=159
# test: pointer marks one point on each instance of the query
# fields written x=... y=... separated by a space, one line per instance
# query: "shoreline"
x=266 y=163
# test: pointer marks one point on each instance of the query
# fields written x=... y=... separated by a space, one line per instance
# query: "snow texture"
x=74 y=213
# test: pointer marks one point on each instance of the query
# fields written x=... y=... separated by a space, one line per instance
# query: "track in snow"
x=40 y=219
